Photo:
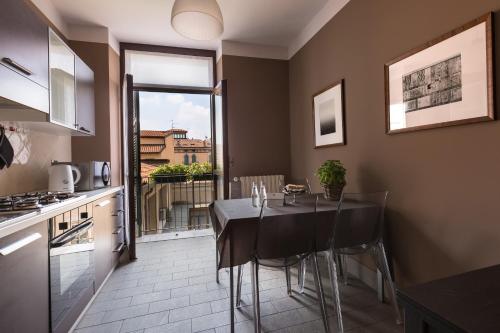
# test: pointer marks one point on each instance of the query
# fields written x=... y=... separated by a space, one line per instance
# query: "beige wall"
x=258 y=121
x=443 y=212
x=106 y=144
x=35 y=150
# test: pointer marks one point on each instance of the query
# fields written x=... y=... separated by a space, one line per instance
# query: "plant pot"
x=333 y=192
x=205 y=176
x=165 y=179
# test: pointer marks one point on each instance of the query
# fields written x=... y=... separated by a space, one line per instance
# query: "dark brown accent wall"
x=444 y=184
x=258 y=118
x=106 y=144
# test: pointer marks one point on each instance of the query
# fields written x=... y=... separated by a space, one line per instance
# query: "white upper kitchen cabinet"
x=62 y=82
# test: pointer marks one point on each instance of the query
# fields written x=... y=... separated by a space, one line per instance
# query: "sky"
x=188 y=111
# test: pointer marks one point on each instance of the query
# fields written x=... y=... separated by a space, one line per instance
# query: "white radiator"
x=272 y=184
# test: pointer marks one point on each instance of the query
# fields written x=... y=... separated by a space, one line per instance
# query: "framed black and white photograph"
x=328 y=116
x=448 y=81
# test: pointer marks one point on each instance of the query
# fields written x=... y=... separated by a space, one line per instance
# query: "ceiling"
x=266 y=22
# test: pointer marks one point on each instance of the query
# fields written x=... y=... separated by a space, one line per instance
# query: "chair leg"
x=255 y=296
x=319 y=292
x=340 y=269
x=231 y=298
x=238 y=286
x=386 y=272
x=288 y=281
x=332 y=266
x=216 y=265
x=345 y=270
x=299 y=275
x=302 y=274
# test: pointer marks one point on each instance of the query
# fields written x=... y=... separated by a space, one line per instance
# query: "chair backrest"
x=282 y=236
x=359 y=220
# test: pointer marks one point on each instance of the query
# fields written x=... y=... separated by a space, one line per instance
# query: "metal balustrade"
x=172 y=203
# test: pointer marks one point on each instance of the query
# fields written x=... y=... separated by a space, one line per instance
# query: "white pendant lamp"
x=197 y=19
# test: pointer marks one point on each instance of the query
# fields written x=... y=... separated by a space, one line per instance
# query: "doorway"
x=174 y=162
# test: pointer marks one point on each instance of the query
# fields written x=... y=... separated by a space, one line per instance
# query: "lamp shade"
x=197 y=19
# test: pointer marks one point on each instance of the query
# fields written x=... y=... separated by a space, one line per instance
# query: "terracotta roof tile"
x=159 y=134
x=148 y=166
x=197 y=143
x=151 y=148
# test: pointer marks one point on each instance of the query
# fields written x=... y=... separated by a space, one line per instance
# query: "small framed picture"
x=328 y=116
x=448 y=81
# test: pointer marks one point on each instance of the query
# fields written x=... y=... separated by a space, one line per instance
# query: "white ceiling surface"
x=279 y=23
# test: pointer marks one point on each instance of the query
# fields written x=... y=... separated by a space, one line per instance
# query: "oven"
x=72 y=269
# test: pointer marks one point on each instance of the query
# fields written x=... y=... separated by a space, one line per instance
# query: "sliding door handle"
x=19 y=244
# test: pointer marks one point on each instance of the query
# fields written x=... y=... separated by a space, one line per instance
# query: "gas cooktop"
x=19 y=205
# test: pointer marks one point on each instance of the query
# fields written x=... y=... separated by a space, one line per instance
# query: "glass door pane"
x=220 y=144
x=170 y=69
x=62 y=82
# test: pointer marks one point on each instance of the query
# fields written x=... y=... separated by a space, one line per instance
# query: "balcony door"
x=220 y=146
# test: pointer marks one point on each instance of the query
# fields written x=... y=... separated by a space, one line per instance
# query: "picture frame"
x=445 y=82
x=328 y=110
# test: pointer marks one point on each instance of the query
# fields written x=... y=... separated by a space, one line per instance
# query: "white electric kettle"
x=61 y=177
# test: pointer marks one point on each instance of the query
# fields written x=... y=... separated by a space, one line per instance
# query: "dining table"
x=239 y=220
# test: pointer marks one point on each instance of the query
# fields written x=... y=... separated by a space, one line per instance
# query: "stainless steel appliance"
x=94 y=175
x=20 y=206
x=72 y=266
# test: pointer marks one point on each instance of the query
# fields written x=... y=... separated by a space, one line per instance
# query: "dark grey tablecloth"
x=242 y=209
x=239 y=220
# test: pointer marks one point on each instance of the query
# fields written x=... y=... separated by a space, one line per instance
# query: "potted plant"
x=170 y=173
x=200 y=171
x=331 y=175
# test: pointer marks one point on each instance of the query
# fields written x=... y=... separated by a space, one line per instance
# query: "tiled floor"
x=172 y=288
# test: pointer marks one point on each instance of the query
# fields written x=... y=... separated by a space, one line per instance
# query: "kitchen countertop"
x=10 y=226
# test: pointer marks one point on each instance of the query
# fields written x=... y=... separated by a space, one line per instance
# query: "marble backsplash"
x=33 y=153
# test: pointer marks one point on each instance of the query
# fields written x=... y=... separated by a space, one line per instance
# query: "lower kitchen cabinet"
x=108 y=224
x=24 y=280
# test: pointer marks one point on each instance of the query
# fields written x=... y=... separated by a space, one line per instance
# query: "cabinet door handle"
x=117 y=231
x=83 y=129
x=119 y=247
x=104 y=203
x=118 y=212
x=19 y=244
x=17 y=66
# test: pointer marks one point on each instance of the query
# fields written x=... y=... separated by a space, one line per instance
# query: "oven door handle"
x=72 y=234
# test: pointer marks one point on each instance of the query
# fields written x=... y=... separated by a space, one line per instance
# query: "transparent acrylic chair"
x=358 y=228
x=282 y=241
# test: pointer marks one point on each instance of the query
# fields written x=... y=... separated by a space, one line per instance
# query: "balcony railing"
x=172 y=203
